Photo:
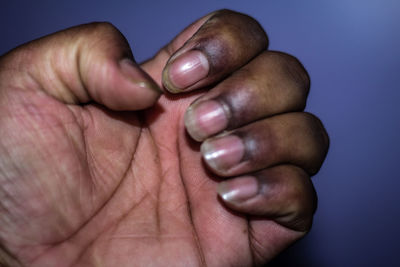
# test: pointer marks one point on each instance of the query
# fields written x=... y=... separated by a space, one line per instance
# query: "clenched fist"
x=201 y=156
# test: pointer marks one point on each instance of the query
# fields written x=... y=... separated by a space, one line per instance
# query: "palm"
x=112 y=187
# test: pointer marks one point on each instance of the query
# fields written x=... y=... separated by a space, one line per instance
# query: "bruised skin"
x=84 y=184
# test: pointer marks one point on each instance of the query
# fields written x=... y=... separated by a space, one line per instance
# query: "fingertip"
x=224 y=154
x=191 y=126
x=205 y=118
x=137 y=76
x=140 y=91
x=185 y=70
x=239 y=190
x=283 y=193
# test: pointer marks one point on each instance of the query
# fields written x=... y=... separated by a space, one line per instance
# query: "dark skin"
x=99 y=169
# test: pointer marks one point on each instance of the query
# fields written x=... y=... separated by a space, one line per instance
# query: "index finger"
x=225 y=41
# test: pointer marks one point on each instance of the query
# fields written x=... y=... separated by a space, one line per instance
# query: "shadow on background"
x=299 y=254
x=293 y=258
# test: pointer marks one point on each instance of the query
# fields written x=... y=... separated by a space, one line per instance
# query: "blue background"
x=351 y=49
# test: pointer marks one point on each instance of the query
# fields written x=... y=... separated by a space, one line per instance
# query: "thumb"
x=91 y=62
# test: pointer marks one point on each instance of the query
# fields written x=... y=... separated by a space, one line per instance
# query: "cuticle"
x=227 y=110
x=247 y=144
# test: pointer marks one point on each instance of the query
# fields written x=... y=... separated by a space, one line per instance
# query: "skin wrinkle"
x=166 y=170
x=136 y=204
x=256 y=256
x=62 y=85
x=6 y=176
x=158 y=204
x=137 y=162
x=86 y=153
x=159 y=235
x=6 y=220
x=15 y=168
x=90 y=159
x=83 y=126
x=78 y=62
x=189 y=205
x=104 y=203
x=7 y=194
x=94 y=215
x=111 y=225
x=7 y=257
x=72 y=143
x=250 y=237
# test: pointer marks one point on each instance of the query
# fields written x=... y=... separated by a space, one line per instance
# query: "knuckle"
x=320 y=141
x=236 y=15
x=318 y=128
x=230 y=38
x=300 y=198
x=103 y=31
x=294 y=69
x=104 y=26
x=303 y=219
x=302 y=222
x=104 y=36
x=304 y=199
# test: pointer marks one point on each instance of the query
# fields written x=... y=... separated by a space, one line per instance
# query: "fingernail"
x=238 y=190
x=137 y=76
x=205 y=119
x=223 y=153
x=185 y=71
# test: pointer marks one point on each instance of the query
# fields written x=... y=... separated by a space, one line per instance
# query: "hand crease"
x=189 y=205
x=157 y=200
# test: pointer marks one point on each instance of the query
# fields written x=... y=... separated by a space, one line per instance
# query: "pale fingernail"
x=205 y=119
x=137 y=76
x=185 y=71
x=223 y=153
x=238 y=190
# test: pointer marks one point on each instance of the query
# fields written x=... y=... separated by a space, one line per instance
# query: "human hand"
x=87 y=179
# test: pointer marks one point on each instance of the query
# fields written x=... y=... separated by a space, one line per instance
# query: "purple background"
x=351 y=49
